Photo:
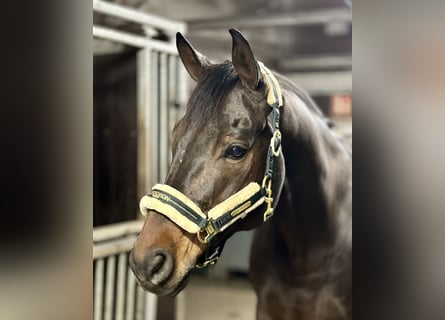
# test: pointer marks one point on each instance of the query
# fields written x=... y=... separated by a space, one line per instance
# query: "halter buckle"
x=207 y=233
x=267 y=186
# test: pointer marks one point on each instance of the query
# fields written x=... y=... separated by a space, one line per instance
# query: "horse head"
x=219 y=153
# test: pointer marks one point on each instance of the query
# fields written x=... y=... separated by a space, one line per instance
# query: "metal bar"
x=121 y=268
x=145 y=177
x=101 y=46
x=183 y=78
x=109 y=290
x=320 y=16
x=180 y=306
x=163 y=116
x=136 y=16
x=151 y=306
x=131 y=291
x=119 y=36
x=140 y=303
x=154 y=117
x=172 y=99
x=117 y=246
x=132 y=40
x=98 y=289
x=173 y=89
x=117 y=230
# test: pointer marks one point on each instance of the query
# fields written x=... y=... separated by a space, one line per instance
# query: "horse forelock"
x=210 y=92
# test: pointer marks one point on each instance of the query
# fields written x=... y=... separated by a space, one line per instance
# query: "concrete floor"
x=231 y=299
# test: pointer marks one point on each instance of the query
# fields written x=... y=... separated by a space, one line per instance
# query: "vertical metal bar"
x=172 y=99
x=183 y=88
x=179 y=102
x=154 y=116
x=131 y=290
x=98 y=288
x=151 y=306
x=144 y=160
x=180 y=306
x=172 y=89
x=121 y=268
x=140 y=303
x=109 y=290
x=163 y=116
x=183 y=81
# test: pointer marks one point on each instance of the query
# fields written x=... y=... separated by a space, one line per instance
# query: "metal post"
x=140 y=303
x=145 y=122
x=151 y=306
x=131 y=291
x=98 y=288
x=183 y=89
x=109 y=293
x=121 y=268
x=154 y=117
x=180 y=306
x=163 y=116
x=172 y=98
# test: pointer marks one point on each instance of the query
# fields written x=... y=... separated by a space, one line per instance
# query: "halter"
x=176 y=206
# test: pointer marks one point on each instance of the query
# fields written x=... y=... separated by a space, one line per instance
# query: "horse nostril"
x=156 y=263
x=159 y=266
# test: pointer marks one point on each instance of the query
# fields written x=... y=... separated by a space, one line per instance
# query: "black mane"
x=216 y=84
x=210 y=92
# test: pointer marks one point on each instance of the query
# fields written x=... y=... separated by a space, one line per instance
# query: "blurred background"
x=140 y=91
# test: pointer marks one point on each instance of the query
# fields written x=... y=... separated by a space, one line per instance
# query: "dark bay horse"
x=301 y=257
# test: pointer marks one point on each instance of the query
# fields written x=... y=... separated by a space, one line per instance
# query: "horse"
x=252 y=151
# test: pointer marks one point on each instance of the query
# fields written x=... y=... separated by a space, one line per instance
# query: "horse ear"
x=244 y=61
x=195 y=63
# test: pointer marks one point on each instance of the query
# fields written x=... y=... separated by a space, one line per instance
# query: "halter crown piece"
x=177 y=207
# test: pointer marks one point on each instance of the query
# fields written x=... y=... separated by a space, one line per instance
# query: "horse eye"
x=236 y=152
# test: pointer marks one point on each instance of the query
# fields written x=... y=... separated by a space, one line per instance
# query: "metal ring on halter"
x=275 y=142
x=210 y=232
x=202 y=240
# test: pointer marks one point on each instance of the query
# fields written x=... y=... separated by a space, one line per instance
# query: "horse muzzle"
x=155 y=273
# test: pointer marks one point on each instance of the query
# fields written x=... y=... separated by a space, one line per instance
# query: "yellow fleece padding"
x=235 y=200
x=243 y=214
x=179 y=195
x=149 y=203
x=271 y=83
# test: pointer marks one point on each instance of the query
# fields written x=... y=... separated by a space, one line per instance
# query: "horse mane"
x=210 y=92
x=220 y=79
x=306 y=98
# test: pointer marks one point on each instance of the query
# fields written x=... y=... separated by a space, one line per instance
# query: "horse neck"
x=318 y=173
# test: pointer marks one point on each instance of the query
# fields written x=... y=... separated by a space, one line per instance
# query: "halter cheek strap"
x=177 y=207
